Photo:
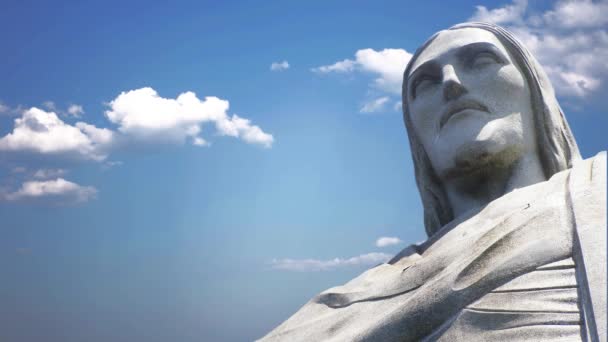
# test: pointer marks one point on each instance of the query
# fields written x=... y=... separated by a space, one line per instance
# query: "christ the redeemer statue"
x=516 y=218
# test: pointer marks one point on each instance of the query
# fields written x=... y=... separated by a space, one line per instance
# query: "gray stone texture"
x=516 y=219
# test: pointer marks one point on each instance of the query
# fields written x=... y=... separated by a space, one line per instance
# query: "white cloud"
x=508 y=14
x=578 y=14
x=570 y=41
x=387 y=241
x=279 y=66
x=75 y=110
x=99 y=136
x=236 y=126
x=374 y=105
x=346 y=65
x=61 y=190
x=307 y=265
x=4 y=108
x=49 y=173
x=144 y=115
x=198 y=141
x=43 y=132
x=387 y=65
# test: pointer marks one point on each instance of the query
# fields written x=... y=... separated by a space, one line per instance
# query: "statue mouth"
x=460 y=106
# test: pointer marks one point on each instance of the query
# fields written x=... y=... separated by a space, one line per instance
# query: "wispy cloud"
x=50 y=105
x=60 y=191
x=570 y=40
x=75 y=110
x=49 y=173
x=19 y=169
x=279 y=66
x=385 y=241
x=375 y=105
x=346 y=65
x=311 y=265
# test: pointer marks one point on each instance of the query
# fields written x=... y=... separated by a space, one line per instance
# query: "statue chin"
x=476 y=158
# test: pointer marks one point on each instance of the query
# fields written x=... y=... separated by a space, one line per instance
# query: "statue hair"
x=556 y=145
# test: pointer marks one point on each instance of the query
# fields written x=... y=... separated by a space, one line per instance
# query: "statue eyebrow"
x=468 y=51
x=428 y=67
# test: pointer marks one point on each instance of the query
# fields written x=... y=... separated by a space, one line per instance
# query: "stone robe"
x=461 y=284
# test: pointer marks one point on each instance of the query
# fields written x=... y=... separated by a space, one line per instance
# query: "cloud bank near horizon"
x=316 y=265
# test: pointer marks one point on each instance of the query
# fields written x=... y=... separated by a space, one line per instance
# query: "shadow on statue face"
x=469 y=103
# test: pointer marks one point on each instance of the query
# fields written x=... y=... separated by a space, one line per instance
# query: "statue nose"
x=452 y=87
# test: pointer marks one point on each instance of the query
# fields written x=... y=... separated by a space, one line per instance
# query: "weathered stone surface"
x=516 y=220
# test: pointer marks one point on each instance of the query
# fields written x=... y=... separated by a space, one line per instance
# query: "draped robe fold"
x=422 y=290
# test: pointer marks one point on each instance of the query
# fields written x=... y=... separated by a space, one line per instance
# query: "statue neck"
x=473 y=191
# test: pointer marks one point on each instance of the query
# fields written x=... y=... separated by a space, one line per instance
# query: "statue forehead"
x=452 y=39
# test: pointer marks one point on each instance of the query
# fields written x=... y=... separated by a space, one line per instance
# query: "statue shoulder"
x=590 y=172
x=598 y=168
x=587 y=190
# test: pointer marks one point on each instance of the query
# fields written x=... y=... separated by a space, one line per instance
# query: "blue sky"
x=136 y=206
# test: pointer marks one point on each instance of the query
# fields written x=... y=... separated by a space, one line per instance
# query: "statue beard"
x=478 y=162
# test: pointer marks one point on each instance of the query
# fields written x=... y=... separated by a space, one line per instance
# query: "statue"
x=516 y=219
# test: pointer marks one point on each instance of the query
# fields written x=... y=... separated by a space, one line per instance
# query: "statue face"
x=469 y=103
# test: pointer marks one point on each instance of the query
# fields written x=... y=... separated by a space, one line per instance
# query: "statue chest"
x=541 y=305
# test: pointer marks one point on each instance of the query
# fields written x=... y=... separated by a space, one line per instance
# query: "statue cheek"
x=425 y=116
x=509 y=79
x=428 y=135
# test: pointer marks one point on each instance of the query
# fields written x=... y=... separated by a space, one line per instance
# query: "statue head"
x=473 y=96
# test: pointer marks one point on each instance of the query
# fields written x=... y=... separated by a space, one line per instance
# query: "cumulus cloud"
x=578 y=14
x=385 y=241
x=279 y=66
x=374 y=105
x=570 y=40
x=139 y=116
x=59 y=190
x=386 y=65
x=389 y=64
x=44 y=132
x=144 y=115
x=308 y=265
x=507 y=14
x=75 y=110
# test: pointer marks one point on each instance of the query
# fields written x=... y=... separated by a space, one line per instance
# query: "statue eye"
x=421 y=84
x=484 y=58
